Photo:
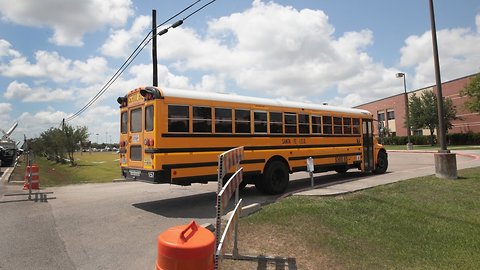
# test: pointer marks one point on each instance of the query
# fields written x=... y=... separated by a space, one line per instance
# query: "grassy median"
x=423 y=223
x=93 y=167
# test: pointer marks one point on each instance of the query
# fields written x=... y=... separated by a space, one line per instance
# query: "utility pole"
x=154 y=47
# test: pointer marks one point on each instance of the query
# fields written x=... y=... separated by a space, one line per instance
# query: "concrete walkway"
x=469 y=159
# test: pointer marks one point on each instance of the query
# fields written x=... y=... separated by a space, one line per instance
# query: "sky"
x=55 y=55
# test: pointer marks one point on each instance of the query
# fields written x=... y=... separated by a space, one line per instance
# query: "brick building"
x=391 y=110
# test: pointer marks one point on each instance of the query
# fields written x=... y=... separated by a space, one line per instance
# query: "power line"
x=133 y=55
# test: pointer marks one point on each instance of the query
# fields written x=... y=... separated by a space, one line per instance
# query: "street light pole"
x=445 y=162
x=436 y=62
x=407 y=112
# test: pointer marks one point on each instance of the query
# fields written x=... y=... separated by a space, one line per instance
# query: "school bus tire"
x=259 y=184
x=275 y=177
x=382 y=163
x=341 y=169
x=242 y=185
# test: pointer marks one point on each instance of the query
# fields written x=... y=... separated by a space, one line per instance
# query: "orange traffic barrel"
x=35 y=177
x=186 y=247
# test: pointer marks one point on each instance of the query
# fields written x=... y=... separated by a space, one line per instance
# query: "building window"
x=290 y=123
x=390 y=115
x=316 y=124
x=178 y=118
x=242 y=121
x=276 y=123
x=303 y=124
x=381 y=116
x=418 y=132
x=223 y=120
x=202 y=119
x=260 y=122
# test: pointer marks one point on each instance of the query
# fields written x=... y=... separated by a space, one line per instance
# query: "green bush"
x=402 y=140
x=469 y=138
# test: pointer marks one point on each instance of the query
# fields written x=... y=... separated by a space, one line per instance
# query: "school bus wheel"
x=275 y=177
x=382 y=163
x=243 y=184
x=341 y=169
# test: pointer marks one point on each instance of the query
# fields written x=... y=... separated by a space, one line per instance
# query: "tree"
x=56 y=143
x=73 y=140
x=472 y=90
x=423 y=112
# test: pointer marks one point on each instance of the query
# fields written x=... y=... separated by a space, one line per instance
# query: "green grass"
x=96 y=167
x=424 y=223
x=432 y=148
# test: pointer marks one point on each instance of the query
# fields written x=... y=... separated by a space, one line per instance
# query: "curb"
x=246 y=211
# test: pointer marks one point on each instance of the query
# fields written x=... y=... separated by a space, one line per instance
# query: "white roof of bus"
x=181 y=93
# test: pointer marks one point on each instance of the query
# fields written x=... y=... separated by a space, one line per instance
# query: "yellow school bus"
x=175 y=136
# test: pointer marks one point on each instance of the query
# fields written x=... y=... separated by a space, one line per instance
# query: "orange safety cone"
x=186 y=247
x=35 y=177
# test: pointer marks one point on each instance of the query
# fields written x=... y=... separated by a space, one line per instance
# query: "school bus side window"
x=347 y=125
x=337 y=125
x=316 y=124
x=149 y=118
x=260 y=122
x=124 y=123
x=242 y=121
x=136 y=120
x=223 y=120
x=276 y=123
x=290 y=123
x=327 y=125
x=202 y=119
x=178 y=118
x=356 y=125
x=303 y=124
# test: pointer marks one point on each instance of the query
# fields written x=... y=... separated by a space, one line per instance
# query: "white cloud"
x=69 y=19
x=5 y=109
x=477 y=21
x=279 y=51
x=51 y=65
x=459 y=54
x=120 y=42
x=6 y=49
x=25 y=93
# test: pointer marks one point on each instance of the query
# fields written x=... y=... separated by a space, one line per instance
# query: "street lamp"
x=445 y=162
x=407 y=114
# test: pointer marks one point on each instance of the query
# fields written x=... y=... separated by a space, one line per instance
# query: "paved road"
x=115 y=226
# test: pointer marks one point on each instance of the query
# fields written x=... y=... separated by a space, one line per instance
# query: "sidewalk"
x=392 y=177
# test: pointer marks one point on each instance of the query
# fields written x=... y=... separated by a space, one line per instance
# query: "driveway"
x=115 y=225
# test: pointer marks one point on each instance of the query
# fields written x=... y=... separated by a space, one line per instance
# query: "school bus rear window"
x=136 y=120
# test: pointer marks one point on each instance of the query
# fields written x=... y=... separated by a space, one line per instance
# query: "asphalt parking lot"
x=115 y=225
